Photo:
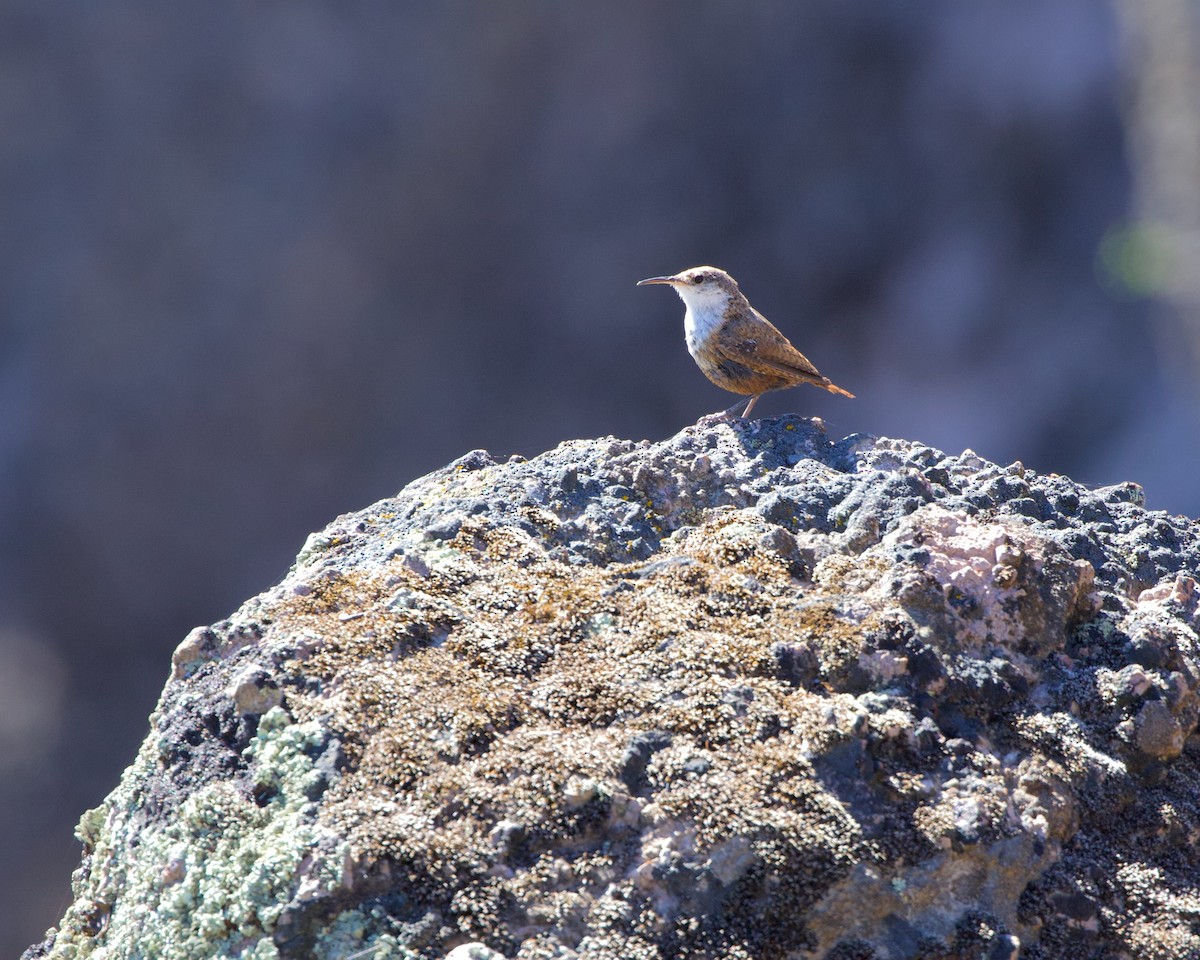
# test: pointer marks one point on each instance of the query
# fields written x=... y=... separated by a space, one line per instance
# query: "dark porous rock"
x=745 y=693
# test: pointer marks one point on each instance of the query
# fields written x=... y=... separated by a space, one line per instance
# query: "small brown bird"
x=733 y=344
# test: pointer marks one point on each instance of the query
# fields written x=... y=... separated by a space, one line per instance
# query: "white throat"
x=706 y=306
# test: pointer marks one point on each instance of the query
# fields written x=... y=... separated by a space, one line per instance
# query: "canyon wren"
x=733 y=344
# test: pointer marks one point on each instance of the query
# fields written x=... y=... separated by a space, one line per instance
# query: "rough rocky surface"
x=745 y=693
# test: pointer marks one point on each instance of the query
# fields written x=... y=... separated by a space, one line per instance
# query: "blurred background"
x=262 y=264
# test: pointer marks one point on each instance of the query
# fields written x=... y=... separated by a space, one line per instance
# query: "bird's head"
x=701 y=288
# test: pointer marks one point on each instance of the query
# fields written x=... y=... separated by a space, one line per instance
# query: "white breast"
x=705 y=314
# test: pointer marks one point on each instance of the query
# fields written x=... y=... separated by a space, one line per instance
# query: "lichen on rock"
x=747 y=692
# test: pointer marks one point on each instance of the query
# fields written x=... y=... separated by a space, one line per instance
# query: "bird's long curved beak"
x=642 y=283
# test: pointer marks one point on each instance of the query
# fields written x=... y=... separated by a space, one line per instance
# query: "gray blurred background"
x=262 y=264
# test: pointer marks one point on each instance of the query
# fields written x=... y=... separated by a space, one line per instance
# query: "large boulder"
x=745 y=693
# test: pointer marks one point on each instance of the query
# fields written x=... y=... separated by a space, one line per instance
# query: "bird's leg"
x=729 y=413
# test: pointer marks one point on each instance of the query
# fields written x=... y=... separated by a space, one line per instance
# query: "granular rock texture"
x=745 y=693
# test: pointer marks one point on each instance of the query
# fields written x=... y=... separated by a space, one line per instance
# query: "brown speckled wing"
x=755 y=343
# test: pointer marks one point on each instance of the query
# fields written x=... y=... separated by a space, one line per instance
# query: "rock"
x=748 y=692
x=474 y=951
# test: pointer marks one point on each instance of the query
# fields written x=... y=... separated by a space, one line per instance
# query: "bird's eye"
x=698 y=279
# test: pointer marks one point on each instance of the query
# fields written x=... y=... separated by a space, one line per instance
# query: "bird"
x=733 y=344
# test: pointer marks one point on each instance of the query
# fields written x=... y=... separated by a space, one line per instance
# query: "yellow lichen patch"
x=750 y=547
x=500 y=710
x=354 y=620
x=837 y=642
x=852 y=574
x=454 y=725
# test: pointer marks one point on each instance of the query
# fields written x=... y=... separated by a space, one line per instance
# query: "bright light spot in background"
x=1139 y=259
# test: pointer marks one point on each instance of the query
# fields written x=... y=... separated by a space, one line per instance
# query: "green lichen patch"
x=214 y=881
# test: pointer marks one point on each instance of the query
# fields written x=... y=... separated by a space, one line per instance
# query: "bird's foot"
x=728 y=414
